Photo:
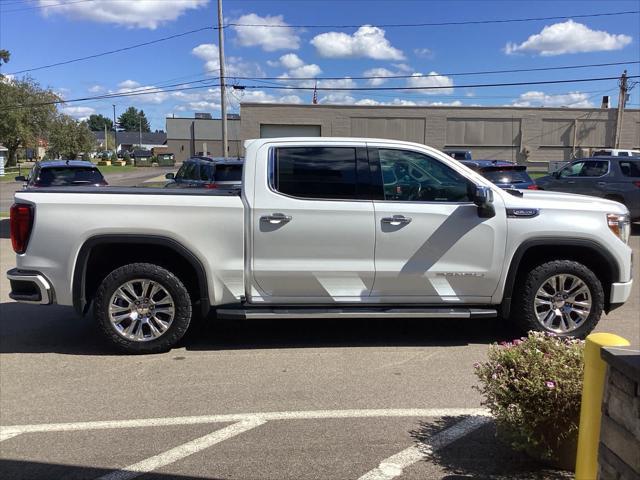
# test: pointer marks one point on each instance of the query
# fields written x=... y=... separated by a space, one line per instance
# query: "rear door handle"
x=276 y=218
x=602 y=184
x=396 y=220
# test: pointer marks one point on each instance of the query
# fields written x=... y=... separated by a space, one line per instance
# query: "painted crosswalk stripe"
x=394 y=465
x=170 y=456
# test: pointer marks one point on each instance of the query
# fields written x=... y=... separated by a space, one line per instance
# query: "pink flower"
x=550 y=385
x=476 y=365
x=494 y=376
x=517 y=342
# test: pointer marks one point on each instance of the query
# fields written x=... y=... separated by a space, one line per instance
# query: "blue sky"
x=74 y=28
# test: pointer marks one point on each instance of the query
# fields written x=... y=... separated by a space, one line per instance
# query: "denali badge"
x=459 y=274
x=522 y=212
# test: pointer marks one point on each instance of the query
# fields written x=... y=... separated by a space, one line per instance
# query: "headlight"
x=620 y=225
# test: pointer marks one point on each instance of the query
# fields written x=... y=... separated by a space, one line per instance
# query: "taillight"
x=637 y=184
x=211 y=185
x=20 y=223
x=533 y=187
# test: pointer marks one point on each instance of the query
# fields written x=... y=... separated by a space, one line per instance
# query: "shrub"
x=533 y=388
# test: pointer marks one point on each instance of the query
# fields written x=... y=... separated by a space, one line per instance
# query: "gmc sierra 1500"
x=323 y=227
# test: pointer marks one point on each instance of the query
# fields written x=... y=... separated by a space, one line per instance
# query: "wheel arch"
x=96 y=259
x=588 y=252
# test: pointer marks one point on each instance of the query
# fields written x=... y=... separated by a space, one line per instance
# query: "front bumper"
x=30 y=287
x=620 y=292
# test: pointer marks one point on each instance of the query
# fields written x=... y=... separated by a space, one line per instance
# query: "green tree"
x=131 y=119
x=98 y=122
x=68 y=138
x=27 y=112
x=5 y=55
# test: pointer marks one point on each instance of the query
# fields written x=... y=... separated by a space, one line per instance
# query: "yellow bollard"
x=590 y=409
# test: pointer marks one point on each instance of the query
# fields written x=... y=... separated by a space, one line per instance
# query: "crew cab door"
x=312 y=224
x=431 y=244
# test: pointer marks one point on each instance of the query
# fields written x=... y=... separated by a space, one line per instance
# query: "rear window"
x=316 y=172
x=630 y=168
x=507 y=176
x=459 y=155
x=228 y=173
x=55 y=177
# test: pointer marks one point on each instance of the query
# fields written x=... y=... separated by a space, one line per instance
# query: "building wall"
x=527 y=135
x=189 y=136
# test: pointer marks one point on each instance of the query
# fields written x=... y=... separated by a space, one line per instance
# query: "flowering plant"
x=533 y=387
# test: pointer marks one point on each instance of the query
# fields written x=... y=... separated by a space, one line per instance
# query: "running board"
x=285 y=312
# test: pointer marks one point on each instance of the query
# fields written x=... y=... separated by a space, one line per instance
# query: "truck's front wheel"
x=142 y=308
x=562 y=297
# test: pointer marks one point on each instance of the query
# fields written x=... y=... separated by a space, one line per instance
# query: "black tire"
x=171 y=283
x=523 y=312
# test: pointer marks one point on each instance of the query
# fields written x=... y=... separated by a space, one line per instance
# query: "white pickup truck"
x=323 y=227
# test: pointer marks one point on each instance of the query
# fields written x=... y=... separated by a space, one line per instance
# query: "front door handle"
x=396 y=220
x=602 y=184
x=276 y=218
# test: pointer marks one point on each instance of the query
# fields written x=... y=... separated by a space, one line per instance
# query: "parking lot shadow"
x=21 y=469
x=4 y=228
x=43 y=329
x=479 y=455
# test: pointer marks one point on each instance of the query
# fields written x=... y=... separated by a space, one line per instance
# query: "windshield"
x=228 y=173
x=507 y=176
x=55 y=177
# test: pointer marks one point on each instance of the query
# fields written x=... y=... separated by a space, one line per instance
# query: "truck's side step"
x=355 y=312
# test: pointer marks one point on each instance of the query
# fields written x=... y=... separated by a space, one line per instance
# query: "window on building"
x=316 y=172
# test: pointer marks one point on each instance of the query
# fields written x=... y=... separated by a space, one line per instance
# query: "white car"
x=322 y=227
x=616 y=152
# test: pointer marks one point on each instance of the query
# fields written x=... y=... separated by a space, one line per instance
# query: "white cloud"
x=137 y=14
x=96 y=89
x=403 y=67
x=346 y=82
x=269 y=38
x=569 y=37
x=128 y=84
x=79 y=113
x=366 y=42
x=235 y=66
x=291 y=61
x=432 y=79
x=423 y=52
x=342 y=98
x=541 y=99
x=377 y=72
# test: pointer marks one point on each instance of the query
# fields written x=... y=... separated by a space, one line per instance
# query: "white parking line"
x=170 y=456
x=10 y=431
x=393 y=466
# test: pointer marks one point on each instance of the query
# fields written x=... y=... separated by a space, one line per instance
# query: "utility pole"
x=106 y=139
x=622 y=100
x=223 y=100
x=115 y=131
x=140 y=131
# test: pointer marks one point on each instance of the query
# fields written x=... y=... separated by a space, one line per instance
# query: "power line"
x=52 y=5
x=454 y=74
x=110 y=52
x=437 y=87
x=153 y=90
x=440 y=24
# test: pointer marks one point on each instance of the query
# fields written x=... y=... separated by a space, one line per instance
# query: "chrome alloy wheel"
x=141 y=310
x=562 y=303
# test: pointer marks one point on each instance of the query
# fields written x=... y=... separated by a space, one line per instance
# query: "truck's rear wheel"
x=142 y=308
x=562 y=297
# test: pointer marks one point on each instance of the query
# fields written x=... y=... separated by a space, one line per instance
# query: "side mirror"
x=21 y=178
x=170 y=176
x=483 y=198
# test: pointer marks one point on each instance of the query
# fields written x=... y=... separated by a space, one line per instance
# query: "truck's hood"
x=558 y=200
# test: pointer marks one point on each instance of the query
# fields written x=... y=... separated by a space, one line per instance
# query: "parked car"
x=458 y=154
x=503 y=174
x=63 y=173
x=315 y=232
x=614 y=178
x=616 y=152
x=207 y=172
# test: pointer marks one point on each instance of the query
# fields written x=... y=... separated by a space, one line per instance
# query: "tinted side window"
x=572 y=170
x=316 y=172
x=630 y=168
x=228 y=173
x=595 y=168
x=413 y=176
x=206 y=172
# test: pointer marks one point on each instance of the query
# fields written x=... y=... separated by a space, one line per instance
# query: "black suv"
x=207 y=172
x=63 y=173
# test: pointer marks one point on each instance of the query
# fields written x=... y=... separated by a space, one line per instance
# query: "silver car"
x=615 y=178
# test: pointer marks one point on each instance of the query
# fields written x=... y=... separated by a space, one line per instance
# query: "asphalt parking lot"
x=330 y=399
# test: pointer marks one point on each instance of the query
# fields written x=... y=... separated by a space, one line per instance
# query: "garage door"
x=268 y=130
